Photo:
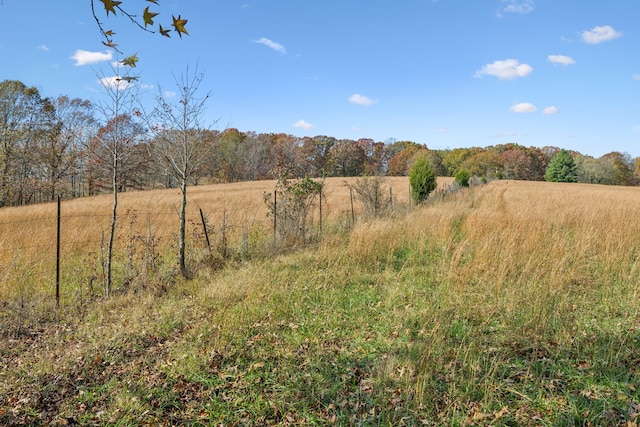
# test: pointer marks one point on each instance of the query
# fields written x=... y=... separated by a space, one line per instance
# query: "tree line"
x=54 y=146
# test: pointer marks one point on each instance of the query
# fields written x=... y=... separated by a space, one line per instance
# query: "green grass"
x=394 y=324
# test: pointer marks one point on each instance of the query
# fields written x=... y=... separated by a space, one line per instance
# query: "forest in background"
x=52 y=146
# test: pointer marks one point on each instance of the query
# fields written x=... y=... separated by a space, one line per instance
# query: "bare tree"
x=182 y=142
x=112 y=144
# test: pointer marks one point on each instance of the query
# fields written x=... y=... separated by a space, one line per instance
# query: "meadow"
x=510 y=304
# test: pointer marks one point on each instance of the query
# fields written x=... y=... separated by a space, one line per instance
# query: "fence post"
x=353 y=214
x=320 y=211
x=275 y=215
x=58 y=256
x=206 y=233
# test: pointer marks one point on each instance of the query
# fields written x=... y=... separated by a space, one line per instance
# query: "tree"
x=112 y=145
x=313 y=156
x=57 y=151
x=621 y=165
x=346 y=158
x=230 y=154
x=485 y=164
x=23 y=114
x=422 y=179
x=562 y=168
x=182 y=144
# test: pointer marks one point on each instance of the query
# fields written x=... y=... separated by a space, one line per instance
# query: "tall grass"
x=514 y=303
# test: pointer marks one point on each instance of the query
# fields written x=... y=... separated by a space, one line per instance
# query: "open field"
x=514 y=303
x=148 y=221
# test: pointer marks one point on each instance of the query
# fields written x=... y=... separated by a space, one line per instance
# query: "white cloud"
x=636 y=128
x=114 y=82
x=521 y=7
x=524 y=107
x=636 y=77
x=561 y=59
x=84 y=57
x=551 y=110
x=169 y=94
x=303 y=125
x=600 y=34
x=273 y=45
x=442 y=130
x=358 y=99
x=506 y=69
x=43 y=47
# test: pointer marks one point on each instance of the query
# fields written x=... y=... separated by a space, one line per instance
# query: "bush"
x=462 y=178
x=295 y=198
x=422 y=179
x=368 y=190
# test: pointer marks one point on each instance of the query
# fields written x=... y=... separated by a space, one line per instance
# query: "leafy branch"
x=147 y=24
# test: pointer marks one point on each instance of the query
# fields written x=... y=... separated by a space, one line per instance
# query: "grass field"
x=514 y=303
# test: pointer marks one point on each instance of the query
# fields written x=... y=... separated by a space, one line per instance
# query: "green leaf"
x=148 y=16
x=131 y=60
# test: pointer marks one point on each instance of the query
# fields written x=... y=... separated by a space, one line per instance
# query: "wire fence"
x=41 y=249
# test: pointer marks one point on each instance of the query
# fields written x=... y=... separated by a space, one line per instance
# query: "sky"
x=445 y=73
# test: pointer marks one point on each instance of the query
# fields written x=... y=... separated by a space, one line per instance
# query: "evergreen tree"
x=422 y=179
x=562 y=168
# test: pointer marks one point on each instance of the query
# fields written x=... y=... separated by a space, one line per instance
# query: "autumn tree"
x=519 y=163
x=346 y=158
x=621 y=166
x=24 y=114
x=230 y=154
x=314 y=155
x=453 y=159
x=181 y=142
x=401 y=155
x=484 y=164
x=57 y=151
x=111 y=147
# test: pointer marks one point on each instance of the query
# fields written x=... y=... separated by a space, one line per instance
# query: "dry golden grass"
x=514 y=303
x=28 y=234
x=513 y=246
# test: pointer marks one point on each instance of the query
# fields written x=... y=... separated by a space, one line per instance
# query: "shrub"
x=462 y=178
x=369 y=192
x=295 y=198
x=422 y=179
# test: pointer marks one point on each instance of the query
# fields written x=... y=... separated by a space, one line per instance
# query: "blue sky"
x=445 y=73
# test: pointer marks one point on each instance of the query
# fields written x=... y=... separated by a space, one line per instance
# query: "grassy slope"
x=514 y=304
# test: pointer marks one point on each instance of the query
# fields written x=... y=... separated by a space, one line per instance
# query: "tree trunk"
x=114 y=181
x=183 y=229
